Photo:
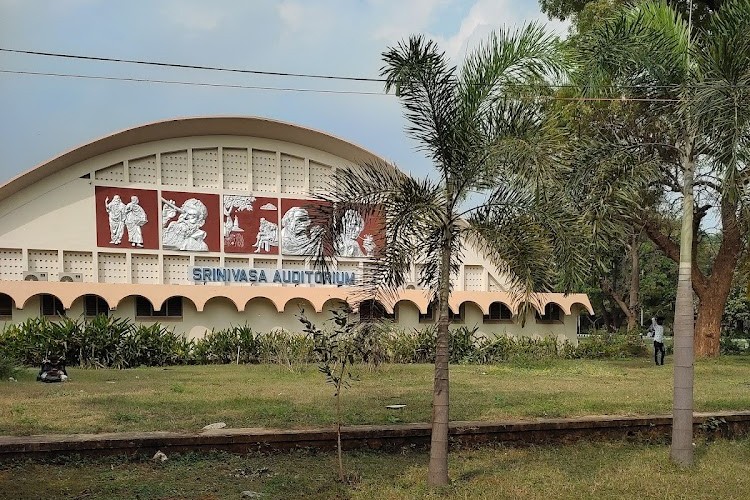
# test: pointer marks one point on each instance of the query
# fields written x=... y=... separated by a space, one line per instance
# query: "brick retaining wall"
x=376 y=437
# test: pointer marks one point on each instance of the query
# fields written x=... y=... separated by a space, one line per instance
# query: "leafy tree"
x=692 y=84
x=585 y=11
x=495 y=155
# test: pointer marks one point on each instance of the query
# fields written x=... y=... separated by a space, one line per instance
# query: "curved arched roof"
x=248 y=126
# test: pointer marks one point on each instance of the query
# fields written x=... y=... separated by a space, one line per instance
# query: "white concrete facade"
x=54 y=222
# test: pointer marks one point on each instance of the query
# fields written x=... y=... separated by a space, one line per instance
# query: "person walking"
x=657 y=326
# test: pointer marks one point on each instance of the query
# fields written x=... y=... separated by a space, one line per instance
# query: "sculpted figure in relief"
x=135 y=218
x=295 y=232
x=116 y=211
x=347 y=244
x=185 y=233
x=268 y=236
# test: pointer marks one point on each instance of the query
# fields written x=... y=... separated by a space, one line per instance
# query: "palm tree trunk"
x=682 y=408
x=437 y=472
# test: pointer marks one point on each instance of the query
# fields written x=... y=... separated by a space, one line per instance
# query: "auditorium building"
x=200 y=223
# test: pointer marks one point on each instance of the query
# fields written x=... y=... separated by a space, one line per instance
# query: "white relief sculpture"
x=352 y=226
x=295 y=232
x=232 y=230
x=116 y=212
x=368 y=242
x=267 y=237
x=185 y=233
x=135 y=219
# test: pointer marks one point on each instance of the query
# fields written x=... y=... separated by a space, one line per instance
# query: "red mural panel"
x=361 y=236
x=190 y=222
x=126 y=218
x=372 y=237
x=251 y=225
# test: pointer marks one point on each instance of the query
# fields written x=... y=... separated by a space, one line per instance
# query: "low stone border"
x=375 y=437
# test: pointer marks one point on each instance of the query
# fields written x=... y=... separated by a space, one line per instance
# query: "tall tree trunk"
x=437 y=472
x=635 y=283
x=682 y=407
x=620 y=301
x=714 y=290
x=708 y=324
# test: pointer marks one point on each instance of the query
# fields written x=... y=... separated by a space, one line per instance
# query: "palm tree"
x=495 y=153
x=695 y=84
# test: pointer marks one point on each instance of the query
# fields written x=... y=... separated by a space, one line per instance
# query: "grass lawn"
x=582 y=471
x=185 y=398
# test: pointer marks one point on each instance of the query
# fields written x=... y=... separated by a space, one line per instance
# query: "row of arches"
x=94 y=304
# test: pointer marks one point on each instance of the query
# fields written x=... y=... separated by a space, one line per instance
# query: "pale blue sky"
x=43 y=116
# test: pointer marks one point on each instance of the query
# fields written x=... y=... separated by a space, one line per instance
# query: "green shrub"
x=415 y=346
x=8 y=367
x=228 y=346
x=603 y=344
x=285 y=348
x=462 y=346
x=731 y=346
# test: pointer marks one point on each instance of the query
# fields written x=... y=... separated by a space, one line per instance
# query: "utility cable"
x=191 y=66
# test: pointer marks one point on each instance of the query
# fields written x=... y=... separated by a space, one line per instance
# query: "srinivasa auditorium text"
x=284 y=276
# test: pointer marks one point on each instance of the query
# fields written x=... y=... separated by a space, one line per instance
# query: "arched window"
x=552 y=314
x=6 y=307
x=93 y=306
x=51 y=305
x=429 y=316
x=171 y=308
x=498 y=312
x=370 y=310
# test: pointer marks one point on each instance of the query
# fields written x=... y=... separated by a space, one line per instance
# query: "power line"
x=286 y=74
x=195 y=84
x=319 y=91
x=191 y=66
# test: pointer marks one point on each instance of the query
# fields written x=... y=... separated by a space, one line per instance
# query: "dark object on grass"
x=52 y=370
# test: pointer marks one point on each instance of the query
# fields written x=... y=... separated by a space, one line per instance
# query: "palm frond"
x=411 y=210
x=421 y=77
x=537 y=244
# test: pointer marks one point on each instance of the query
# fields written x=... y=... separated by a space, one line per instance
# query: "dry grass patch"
x=185 y=398
x=582 y=471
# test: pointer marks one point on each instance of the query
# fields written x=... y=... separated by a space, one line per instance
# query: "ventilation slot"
x=44 y=261
x=112 y=268
x=144 y=268
x=115 y=173
x=11 y=264
x=292 y=174
x=176 y=269
x=143 y=170
x=494 y=285
x=207 y=262
x=320 y=177
x=174 y=168
x=235 y=168
x=79 y=262
x=474 y=278
x=206 y=168
x=264 y=171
